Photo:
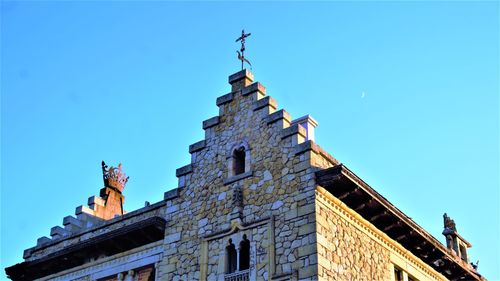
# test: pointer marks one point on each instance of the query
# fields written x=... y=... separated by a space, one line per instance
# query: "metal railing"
x=243 y=275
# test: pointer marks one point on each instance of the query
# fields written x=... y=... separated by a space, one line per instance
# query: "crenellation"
x=225 y=99
x=58 y=232
x=197 y=146
x=252 y=88
x=184 y=170
x=209 y=123
x=266 y=102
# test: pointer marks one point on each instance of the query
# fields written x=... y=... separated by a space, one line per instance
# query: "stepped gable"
x=258 y=179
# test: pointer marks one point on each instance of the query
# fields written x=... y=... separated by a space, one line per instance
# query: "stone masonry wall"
x=279 y=185
x=344 y=251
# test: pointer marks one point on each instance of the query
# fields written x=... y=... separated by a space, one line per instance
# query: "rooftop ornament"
x=241 y=56
x=113 y=177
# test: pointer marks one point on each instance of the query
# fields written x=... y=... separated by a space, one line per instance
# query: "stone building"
x=260 y=200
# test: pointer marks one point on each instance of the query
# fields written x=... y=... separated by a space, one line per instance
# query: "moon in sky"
x=362 y=94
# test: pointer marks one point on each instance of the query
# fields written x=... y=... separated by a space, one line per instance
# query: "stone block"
x=307 y=228
x=42 y=241
x=69 y=220
x=293 y=130
x=197 y=146
x=57 y=232
x=184 y=170
x=277 y=116
x=171 y=194
x=172 y=238
x=211 y=122
x=238 y=177
x=267 y=101
x=225 y=99
x=240 y=75
x=95 y=200
x=305 y=210
x=306 y=146
x=255 y=87
x=308 y=271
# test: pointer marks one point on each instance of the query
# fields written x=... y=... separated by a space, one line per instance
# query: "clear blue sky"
x=131 y=82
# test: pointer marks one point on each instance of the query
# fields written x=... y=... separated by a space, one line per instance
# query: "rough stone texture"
x=294 y=233
x=345 y=252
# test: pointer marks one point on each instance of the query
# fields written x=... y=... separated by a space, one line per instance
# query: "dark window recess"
x=239 y=161
x=231 y=257
x=244 y=253
x=398 y=274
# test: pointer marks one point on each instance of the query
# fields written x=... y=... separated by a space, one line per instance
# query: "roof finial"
x=241 y=56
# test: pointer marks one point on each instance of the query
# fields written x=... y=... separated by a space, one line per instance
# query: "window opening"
x=398 y=274
x=239 y=161
x=231 y=257
x=244 y=253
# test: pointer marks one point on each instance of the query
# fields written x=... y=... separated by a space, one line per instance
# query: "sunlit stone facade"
x=260 y=200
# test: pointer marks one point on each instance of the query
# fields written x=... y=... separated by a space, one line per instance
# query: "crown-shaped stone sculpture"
x=114 y=177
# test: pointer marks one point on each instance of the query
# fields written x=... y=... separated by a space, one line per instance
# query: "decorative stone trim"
x=224 y=99
x=238 y=177
x=234 y=228
x=211 y=122
x=293 y=130
x=184 y=170
x=255 y=87
x=171 y=194
x=240 y=75
x=267 y=101
x=278 y=115
x=197 y=146
x=356 y=220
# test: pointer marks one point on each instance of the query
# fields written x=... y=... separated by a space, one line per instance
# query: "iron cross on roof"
x=241 y=56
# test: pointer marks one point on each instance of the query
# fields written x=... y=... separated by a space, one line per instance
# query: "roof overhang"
x=110 y=243
x=359 y=196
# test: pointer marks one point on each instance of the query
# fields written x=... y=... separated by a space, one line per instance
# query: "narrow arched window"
x=244 y=253
x=231 y=257
x=239 y=161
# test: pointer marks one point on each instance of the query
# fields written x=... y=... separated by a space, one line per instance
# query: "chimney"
x=454 y=242
x=110 y=203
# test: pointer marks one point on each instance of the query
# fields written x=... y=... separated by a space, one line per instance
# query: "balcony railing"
x=243 y=275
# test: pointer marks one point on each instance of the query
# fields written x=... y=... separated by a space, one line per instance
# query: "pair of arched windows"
x=235 y=262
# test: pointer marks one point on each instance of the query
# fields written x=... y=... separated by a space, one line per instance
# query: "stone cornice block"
x=72 y=220
x=84 y=209
x=293 y=130
x=184 y=170
x=211 y=122
x=245 y=73
x=224 y=99
x=95 y=200
x=171 y=194
x=197 y=146
x=306 y=146
x=58 y=231
x=42 y=240
x=255 y=87
x=263 y=102
x=278 y=115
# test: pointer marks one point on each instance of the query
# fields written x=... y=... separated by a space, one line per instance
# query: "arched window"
x=231 y=257
x=239 y=161
x=244 y=253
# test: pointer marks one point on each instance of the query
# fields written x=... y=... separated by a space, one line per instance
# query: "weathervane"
x=241 y=56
